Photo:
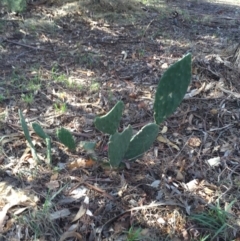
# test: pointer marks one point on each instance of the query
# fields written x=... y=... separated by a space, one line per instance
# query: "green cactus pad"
x=142 y=141
x=66 y=138
x=109 y=123
x=118 y=145
x=39 y=131
x=172 y=88
x=27 y=136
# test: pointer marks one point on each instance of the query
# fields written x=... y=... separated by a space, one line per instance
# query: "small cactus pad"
x=66 y=138
x=109 y=123
x=142 y=141
x=118 y=145
x=39 y=131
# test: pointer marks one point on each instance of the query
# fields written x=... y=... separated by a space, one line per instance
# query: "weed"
x=215 y=220
x=34 y=84
x=94 y=87
x=134 y=234
x=62 y=107
x=1 y=98
x=28 y=98
x=40 y=221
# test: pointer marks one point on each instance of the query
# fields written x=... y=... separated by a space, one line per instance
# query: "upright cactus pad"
x=118 y=145
x=109 y=123
x=66 y=138
x=142 y=141
x=172 y=88
x=39 y=131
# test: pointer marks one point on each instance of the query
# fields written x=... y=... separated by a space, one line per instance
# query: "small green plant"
x=94 y=86
x=66 y=138
x=40 y=132
x=134 y=234
x=216 y=221
x=1 y=98
x=15 y=5
x=28 y=98
x=27 y=136
x=60 y=107
x=40 y=221
x=170 y=92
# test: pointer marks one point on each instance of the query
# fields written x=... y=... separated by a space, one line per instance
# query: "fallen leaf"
x=52 y=185
x=81 y=162
x=194 y=142
x=82 y=210
x=71 y=235
x=60 y=214
x=162 y=139
x=213 y=162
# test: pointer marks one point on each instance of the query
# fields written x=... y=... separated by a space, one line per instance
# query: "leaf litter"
x=77 y=66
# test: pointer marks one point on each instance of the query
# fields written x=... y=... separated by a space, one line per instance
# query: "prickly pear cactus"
x=66 y=138
x=172 y=88
x=142 y=141
x=27 y=136
x=118 y=145
x=39 y=131
x=109 y=123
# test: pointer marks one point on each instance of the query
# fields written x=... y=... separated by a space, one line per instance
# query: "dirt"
x=63 y=64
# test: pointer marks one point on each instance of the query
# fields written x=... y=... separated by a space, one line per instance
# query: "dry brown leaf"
x=194 y=142
x=82 y=210
x=163 y=139
x=54 y=177
x=52 y=185
x=81 y=162
x=179 y=176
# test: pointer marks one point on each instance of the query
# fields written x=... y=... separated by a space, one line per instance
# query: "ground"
x=64 y=63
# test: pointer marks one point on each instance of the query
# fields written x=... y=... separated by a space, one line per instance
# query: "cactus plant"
x=142 y=141
x=40 y=132
x=118 y=145
x=172 y=88
x=27 y=136
x=66 y=138
x=109 y=123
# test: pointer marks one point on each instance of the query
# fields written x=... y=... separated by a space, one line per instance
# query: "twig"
x=26 y=46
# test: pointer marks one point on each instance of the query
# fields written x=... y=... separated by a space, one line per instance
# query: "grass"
x=28 y=99
x=216 y=221
x=62 y=107
x=134 y=234
x=39 y=220
x=1 y=98
x=94 y=87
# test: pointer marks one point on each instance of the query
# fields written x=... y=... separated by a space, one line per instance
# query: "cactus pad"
x=109 y=123
x=172 y=88
x=118 y=145
x=142 y=141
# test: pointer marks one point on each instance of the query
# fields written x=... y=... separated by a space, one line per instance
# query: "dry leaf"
x=81 y=162
x=194 y=142
x=60 y=214
x=52 y=185
x=213 y=162
x=179 y=176
x=82 y=210
x=166 y=141
x=71 y=235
